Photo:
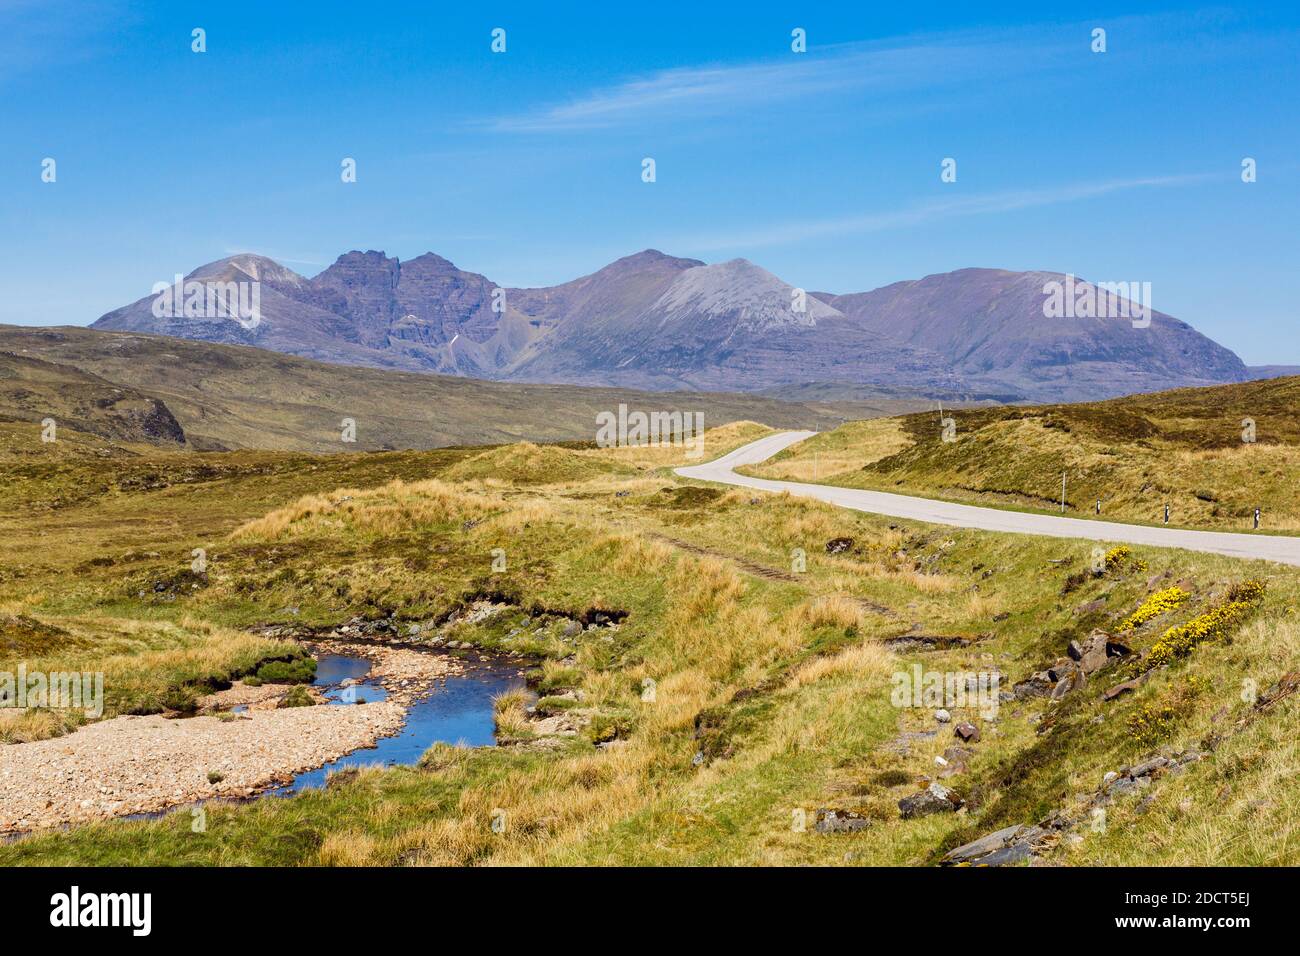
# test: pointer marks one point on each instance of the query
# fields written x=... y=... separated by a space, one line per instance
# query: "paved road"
x=1266 y=547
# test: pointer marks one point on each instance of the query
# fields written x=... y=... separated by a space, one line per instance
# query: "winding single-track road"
x=1257 y=546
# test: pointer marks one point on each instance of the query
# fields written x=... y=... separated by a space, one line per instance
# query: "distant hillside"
x=1183 y=448
x=654 y=321
x=988 y=326
x=164 y=390
x=1272 y=371
x=33 y=390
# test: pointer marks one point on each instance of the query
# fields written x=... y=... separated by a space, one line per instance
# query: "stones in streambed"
x=128 y=764
x=967 y=732
x=565 y=724
x=838 y=545
x=405 y=673
x=481 y=611
x=554 y=719
x=935 y=798
x=243 y=696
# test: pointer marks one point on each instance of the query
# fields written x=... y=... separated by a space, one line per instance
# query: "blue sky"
x=823 y=167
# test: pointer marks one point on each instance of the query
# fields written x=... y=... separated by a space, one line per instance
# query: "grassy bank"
x=745 y=683
x=1183 y=448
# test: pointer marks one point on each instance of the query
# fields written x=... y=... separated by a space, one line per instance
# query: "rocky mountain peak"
x=653 y=320
x=744 y=292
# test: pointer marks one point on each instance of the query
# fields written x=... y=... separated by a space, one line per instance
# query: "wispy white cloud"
x=886 y=69
x=801 y=230
x=899 y=65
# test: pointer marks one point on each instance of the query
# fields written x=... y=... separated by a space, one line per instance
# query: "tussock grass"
x=508 y=712
x=861 y=659
x=981 y=605
x=831 y=612
x=395 y=507
x=928 y=583
x=28 y=724
x=771 y=692
x=528 y=464
x=147 y=666
x=348 y=848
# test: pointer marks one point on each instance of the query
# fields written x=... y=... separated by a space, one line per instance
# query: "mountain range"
x=657 y=322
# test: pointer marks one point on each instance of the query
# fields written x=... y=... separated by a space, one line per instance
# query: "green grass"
x=1182 y=448
x=771 y=694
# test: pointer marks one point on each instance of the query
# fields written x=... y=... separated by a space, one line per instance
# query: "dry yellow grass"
x=981 y=605
x=834 y=611
x=22 y=726
x=508 y=712
x=860 y=659
x=924 y=582
x=140 y=660
x=847 y=448
x=717 y=442
x=640 y=555
x=524 y=463
x=348 y=848
x=396 y=506
x=511 y=821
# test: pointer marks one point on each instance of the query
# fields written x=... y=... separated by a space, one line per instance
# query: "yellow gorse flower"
x=1154 y=606
x=1214 y=624
x=1117 y=556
